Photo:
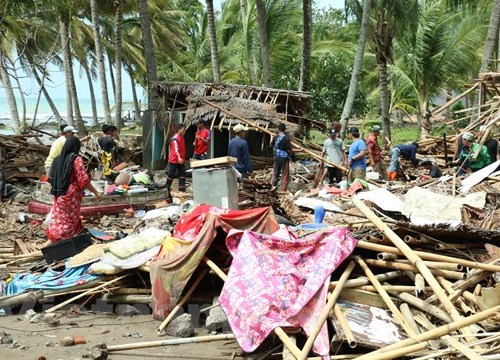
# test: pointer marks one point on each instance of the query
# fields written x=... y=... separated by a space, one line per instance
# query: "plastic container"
x=64 y=249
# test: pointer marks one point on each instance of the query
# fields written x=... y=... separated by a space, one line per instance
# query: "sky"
x=57 y=88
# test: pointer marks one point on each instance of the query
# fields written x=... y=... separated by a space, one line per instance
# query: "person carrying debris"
x=434 y=170
x=357 y=156
x=238 y=148
x=408 y=152
x=57 y=145
x=177 y=158
x=68 y=178
x=282 y=153
x=466 y=157
x=201 y=139
x=375 y=153
x=334 y=149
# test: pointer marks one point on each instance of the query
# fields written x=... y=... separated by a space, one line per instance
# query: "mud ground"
x=41 y=341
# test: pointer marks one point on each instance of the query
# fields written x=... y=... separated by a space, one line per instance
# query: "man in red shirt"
x=375 y=153
x=176 y=159
x=201 y=139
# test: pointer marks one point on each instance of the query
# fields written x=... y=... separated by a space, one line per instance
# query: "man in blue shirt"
x=238 y=148
x=357 y=156
x=409 y=152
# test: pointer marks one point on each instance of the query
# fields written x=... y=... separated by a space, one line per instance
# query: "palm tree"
x=438 y=55
x=358 y=60
x=306 y=45
x=390 y=17
x=100 y=61
x=11 y=99
x=118 y=62
x=264 y=43
x=213 y=40
x=149 y=51
x=492 y=38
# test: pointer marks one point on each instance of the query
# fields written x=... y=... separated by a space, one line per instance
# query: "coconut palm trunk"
x=214 y=52
x=384 y=99
x=149 y=51
x=100 y=61
x=491 y=39
x=66 y=58
x=137 y=108
x=46 y=94
x=21 y=95
x=264 y=43
x=356 y=69
x=306 y=45
x=93 y=102
x=118 y=62
x=11 y=99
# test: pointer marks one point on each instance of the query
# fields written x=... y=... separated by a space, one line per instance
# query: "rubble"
x=420 y=282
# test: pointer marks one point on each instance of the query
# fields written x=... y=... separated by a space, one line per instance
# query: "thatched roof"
x=264 y=107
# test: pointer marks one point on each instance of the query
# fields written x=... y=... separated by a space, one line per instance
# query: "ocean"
x=44 y=114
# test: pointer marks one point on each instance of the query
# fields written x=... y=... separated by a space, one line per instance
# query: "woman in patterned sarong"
x=68 y=178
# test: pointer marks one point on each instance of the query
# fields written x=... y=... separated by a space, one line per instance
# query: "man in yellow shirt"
x=56 y=147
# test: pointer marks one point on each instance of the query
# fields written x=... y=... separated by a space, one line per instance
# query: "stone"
x=67 y=341
x=6 y=340
x=35 y=319
x=22 y=198
x=126 y=310
x=29 y=314
x=13 y=345
x=181 y=326
x=217 y=319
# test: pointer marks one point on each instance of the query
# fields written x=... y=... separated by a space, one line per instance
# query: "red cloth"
x=65 y=219
x=374 y=148
x=176 y=147
x=200 y=147
x=170 y=270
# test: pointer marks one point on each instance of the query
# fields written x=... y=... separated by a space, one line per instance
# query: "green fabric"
x=483 y=159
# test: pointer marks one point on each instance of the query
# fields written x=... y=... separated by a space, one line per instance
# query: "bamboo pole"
x=332 y=300
x=405 y=310
x=364 y=280
x=415 y=260
x=385 y=296
x=447 y=286
x=278 y=331
x=167 y=342
x=88 y=292
x=401 y=266
x=386 y=256
x=454 y=343
x=384 y=353
x=437 y=265
x=181 y=302
x=264 y=130
x=448 y=351
x=429 y=256
x=419 y=285
x=424 y=306
x=389 y=288
x=351 y=341
x=454 y=100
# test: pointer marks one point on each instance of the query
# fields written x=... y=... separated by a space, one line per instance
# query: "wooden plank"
x=224 y=160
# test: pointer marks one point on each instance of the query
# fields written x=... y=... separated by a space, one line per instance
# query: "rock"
x=13 y=345
x=216 y=319
x=126 y=310
x=50 y=344
x=35 y=319
x=181 y=326
x=29 y=314
x=49 y=317
x=6 y=340
x=67 y=341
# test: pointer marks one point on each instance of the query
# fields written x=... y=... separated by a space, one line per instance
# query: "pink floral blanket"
x=281 y=280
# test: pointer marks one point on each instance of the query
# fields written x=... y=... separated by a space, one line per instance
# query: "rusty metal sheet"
x=371 y=326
